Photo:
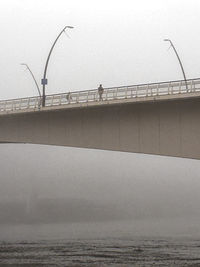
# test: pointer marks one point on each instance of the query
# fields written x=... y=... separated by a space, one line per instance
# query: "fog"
x=97 y=185
x=114 y=43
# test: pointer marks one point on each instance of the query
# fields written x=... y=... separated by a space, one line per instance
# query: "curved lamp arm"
x=44 y=80
x=24 y=64
x=168 y=40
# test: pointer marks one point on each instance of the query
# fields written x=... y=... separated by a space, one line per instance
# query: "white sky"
x=114 y=42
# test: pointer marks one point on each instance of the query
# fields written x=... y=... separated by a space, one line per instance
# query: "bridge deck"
x=115 y=95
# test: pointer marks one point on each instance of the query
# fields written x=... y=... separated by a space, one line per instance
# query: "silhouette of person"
x=69 y=97
x=100 y=91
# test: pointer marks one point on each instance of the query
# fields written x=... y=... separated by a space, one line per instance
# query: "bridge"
x=156 y=118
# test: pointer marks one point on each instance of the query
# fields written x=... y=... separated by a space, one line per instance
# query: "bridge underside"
x=170 y=128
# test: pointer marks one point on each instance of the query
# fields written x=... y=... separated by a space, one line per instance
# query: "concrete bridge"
x=157 y=118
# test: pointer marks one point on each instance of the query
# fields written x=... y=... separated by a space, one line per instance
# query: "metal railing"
x=114 y=93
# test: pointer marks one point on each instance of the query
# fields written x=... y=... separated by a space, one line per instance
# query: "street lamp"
x=44 y=79
x=24 y=64
x=168 y=40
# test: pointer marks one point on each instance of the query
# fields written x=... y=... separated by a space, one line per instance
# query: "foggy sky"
x=114 y=43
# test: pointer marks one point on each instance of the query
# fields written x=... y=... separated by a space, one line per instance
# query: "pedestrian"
x=69 y=97
x=100 y=91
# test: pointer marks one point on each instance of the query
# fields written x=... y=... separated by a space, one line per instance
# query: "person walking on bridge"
x=69 y=97
x=100 y=91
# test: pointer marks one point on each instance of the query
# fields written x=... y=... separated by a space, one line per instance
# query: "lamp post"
x=184 y=76
x=44 y=79
x=24 y=64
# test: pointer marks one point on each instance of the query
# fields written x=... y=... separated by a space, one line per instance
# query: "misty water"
x=74 y=207
x=122 y=243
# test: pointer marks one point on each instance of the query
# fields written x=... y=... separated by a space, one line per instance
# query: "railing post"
x=52 y=99
x=157 y=89
x=77 y=98
x=117 y=93
x=179 y=88
x=35 y=103
x=147 y=90
x=12 y=106
x=20 y=104
x=60 y=100
x=168 y=88
x=39 y=102
x=186 y=86
x=171 y=88
x=126 y=92
x=136 y=91
x=131 y=92
x=192 y=86
x=28 y=103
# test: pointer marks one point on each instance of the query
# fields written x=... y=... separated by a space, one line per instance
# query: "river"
x=140 y=243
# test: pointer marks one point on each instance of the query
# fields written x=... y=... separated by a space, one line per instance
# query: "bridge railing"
x=114 y=93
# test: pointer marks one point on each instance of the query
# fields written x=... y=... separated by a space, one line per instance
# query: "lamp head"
x=24 y=64
x=168 y=40
x=69 y=27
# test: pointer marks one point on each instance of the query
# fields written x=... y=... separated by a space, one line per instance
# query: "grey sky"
x=114 y=43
